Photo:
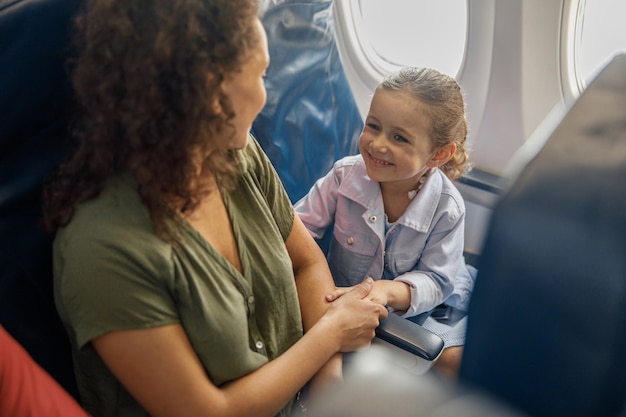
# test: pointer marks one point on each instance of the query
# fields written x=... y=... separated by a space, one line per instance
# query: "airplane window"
x=601 y=35
x=395 y=33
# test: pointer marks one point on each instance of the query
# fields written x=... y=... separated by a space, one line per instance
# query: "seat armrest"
x=410 y=337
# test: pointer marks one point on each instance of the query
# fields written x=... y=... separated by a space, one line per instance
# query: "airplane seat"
x=34 y=98
x=547 y=320
x=310 y=119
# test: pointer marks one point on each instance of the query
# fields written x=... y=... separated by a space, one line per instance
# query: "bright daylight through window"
x=414 y=32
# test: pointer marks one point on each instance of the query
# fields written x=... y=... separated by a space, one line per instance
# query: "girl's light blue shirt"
x=423 y=248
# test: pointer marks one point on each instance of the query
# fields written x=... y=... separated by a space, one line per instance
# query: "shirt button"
x=386 y=266
x=350 y=240
x=251 y=299
x=259 y=345
x=373 y=219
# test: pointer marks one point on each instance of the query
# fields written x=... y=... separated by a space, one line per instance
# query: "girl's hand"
x=394 y=294
x=378 y=294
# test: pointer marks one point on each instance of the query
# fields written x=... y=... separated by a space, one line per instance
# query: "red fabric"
x=26 y=389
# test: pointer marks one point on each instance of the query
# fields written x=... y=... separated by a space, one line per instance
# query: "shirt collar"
x=358 y=187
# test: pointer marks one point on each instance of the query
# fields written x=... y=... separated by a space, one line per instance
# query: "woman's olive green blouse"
x=113 y=273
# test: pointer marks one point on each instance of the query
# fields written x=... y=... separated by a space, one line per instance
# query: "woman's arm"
x=313 y=281
x=159 y=367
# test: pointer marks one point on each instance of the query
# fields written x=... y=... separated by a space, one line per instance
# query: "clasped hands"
x=357 y=311
x=393 y=294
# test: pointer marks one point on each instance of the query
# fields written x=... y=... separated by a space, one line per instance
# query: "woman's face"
x=246 y=90
x=395 y=142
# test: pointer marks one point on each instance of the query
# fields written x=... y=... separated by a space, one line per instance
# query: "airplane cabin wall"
x=524 y=79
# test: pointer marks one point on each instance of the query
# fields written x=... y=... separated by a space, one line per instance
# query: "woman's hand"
x=355 y=316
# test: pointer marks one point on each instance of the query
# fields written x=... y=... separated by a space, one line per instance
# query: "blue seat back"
x=34 y=103
x=310 y=119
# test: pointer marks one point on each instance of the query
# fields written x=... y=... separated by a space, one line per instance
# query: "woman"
x=182 y=274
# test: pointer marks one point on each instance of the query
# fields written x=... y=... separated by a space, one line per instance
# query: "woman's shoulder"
x=119 y=201
x=115 y=218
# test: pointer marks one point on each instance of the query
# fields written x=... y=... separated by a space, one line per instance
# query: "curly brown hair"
x=146 y=78
x=446 y=108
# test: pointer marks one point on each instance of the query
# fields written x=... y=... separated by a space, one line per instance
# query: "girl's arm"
x=433 y=278
x=430 y=281
x=317 y=208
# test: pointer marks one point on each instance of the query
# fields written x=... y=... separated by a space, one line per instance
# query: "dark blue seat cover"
x=310 y=119
x=34 y=102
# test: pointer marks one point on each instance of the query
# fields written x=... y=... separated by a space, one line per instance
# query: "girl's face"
x=395 y=142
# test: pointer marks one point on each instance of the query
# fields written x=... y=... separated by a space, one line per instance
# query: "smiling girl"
x=397 y=215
